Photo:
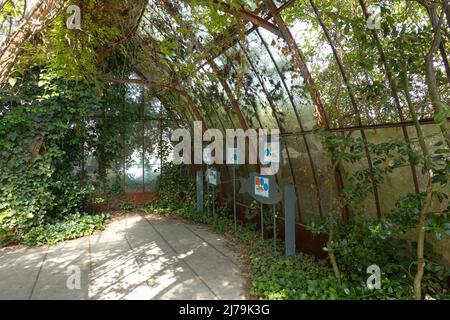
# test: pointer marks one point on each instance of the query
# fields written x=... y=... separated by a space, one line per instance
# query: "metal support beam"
x=289 y=220
x=250 y=17
x=199 y=191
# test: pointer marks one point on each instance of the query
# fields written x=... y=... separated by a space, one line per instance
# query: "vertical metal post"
x=234 y=198
x=207 y=199
x=124 y=167
x=161 y=148
x=83 y=160
x=143 y=138
x=199 y=191
x=262 y=222
x=274 y=229
x=289 y=220
x=213 y=202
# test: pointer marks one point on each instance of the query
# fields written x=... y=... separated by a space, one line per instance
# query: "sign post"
x=265 y=190
x=274 y=228
x=233 y=160
x=262 y=189
x=262 y=222
x=207 y=158
x=272 y=155
x=234 y=199
x=213 y=179
x=199 y=191
x=289 y=221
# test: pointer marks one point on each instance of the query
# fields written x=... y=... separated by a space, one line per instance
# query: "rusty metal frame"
x=280 y=29
x=280 y=127
x=353 y=101
x=297 y=116
x=224 y=84
x=393 y=88
x=247 y=16
x=300 y=62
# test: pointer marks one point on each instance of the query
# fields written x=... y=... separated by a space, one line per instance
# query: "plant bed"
x=303 y=277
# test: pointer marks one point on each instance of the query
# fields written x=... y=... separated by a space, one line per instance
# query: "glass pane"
x=304 y=178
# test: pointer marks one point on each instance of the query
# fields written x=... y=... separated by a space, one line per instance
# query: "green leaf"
x=440 y=117
x=12 y=81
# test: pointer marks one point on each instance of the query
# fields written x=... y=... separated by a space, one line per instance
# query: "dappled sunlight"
x=133 y=258
x=312 y=137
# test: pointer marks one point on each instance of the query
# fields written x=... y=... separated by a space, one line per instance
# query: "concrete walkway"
x=136 y=257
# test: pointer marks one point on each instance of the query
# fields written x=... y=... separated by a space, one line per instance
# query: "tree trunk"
x=421 y=240
x=435 y=96
x=425 y=208
x=434 y=23
x=430 y=76
x=332 y=258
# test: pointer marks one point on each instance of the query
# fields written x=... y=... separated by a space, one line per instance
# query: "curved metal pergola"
x=255 y=73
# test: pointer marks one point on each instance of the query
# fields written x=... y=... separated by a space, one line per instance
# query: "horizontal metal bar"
x=367 y=127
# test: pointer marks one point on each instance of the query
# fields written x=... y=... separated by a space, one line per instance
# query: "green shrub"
x=175 y=185
x=126 y=205
x=303 y=277
x=69 y=227
x=40 y=149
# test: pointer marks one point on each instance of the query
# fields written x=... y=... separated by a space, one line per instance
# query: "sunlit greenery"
x=357 y=107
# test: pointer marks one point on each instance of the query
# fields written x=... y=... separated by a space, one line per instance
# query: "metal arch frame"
x=216 y=70
x=258 y=118
x=230 y=94
x=354 y=103
x=299 y=62
x=280 y=127
x=201 y=103
x=390 y=80
x=294 y=106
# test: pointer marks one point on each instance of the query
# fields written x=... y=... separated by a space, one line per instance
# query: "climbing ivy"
x=359 y=242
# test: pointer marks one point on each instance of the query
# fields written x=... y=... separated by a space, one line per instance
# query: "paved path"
x=134 y=258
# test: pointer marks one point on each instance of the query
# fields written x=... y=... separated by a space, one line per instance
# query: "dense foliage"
x=68 y=227
x=347 y=238
x=200 y=62
x=357 y=244
x=42 y=133
x=48 y=128
x=303 y=277
x=40 y=143
x=175 y=184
